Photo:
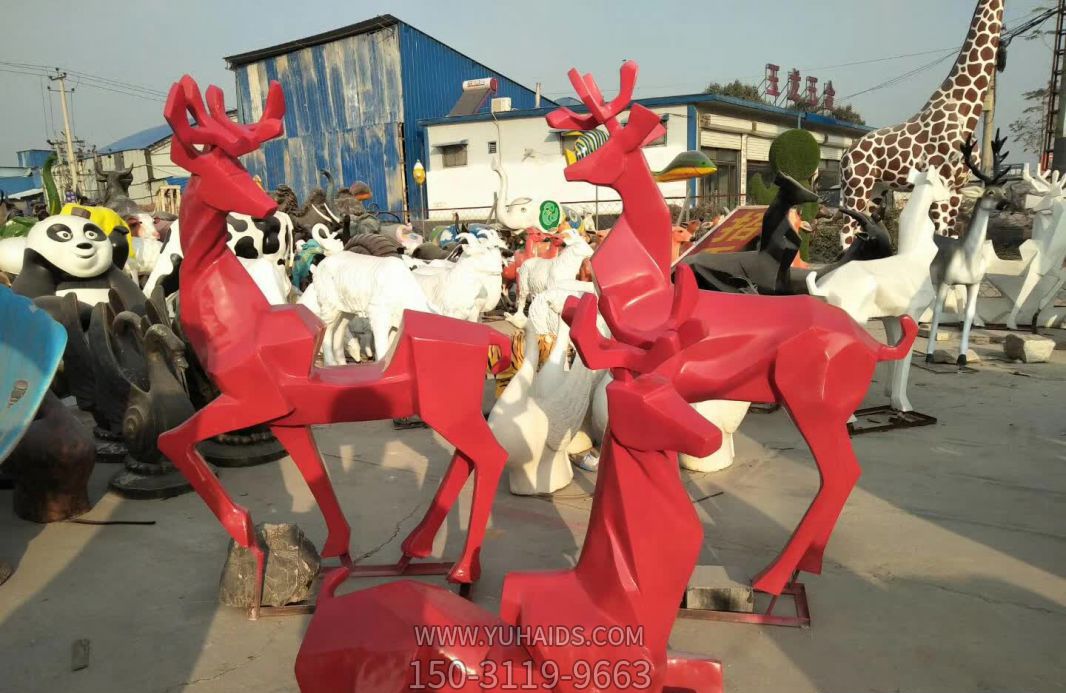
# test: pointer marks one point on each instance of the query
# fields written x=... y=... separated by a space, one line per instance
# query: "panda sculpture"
x=69 y=253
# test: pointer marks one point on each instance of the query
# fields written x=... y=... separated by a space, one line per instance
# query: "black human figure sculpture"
x=766 y=269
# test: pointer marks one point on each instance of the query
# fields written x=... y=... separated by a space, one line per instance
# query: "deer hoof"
x=961 y=360
x=928 y=358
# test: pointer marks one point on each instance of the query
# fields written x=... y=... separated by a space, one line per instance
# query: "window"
x=453 y=155
x=492 y=147
x=828 y=174
x=723 y=188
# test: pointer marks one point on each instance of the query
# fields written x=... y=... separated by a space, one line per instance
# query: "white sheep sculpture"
x=540 y=274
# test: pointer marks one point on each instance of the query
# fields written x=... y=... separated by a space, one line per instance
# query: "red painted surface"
x=262 y=357
x=671 y=345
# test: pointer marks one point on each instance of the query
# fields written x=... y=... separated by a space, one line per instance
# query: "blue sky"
x=680 y=46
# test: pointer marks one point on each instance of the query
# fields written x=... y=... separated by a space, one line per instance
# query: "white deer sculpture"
x=1033 y=282
x=891 y=287
x=963 y=261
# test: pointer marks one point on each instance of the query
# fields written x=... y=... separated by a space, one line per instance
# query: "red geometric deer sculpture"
x=811 y=358
x=261 y=357
x=672 y=345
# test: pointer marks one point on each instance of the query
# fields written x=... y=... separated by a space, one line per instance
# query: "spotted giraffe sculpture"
x=934 y=135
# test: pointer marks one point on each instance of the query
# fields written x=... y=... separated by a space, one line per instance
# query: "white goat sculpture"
x=891 y=287
x=963 y=261
x=349 y=285
x=540 y=274
x=1039 y=274
x=468 y=287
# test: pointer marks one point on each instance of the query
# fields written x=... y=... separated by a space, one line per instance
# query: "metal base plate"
x=796 y=590
x=408 y=422
x=875 y=420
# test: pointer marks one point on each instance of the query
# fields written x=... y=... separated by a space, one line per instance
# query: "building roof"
x=364 y=27
x=679 y=100
x=139 y=140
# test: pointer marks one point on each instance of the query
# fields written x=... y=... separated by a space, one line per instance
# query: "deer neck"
x=978 y=230
x=915 y=225
x=220 y=303
x=643 y=540
x=632 y=265
x=203 y=229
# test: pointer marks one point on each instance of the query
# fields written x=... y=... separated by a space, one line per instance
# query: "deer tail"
x=895 y=353
x=812 y=285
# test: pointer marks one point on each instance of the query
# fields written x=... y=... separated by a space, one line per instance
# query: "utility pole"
x=1055 y=100
x=988 y=115
x=72 y=163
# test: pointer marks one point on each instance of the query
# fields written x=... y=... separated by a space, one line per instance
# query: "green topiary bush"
x=759 y=192
x=795 y=153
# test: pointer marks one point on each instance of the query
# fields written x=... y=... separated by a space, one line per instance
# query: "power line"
x=86 y=80
x=89 y=76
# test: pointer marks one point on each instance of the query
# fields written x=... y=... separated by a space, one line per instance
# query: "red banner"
x=733 y=233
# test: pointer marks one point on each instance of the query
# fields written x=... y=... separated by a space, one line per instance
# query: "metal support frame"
x=793 y=589
x=897 y=420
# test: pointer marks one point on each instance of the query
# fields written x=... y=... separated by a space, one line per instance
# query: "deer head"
x=606 y=164
x=209 y=147
x=1047 y=188
x=930 y=176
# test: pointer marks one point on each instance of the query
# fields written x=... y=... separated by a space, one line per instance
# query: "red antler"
x=214 y=130
x=600 y=113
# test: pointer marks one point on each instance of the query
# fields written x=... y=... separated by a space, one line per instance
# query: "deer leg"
x=900 y=370
x=1047 y=300
x=300 y=444
x=221 y=415
x=1032 y=278
x=938 y=308
x=821 y=416
x=971 y=310
x=453 y=409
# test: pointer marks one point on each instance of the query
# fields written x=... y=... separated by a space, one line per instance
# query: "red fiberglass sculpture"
x=671 y=345
x=262 y=357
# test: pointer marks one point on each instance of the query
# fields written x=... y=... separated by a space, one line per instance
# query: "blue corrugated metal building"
x=354 y=97
x=27 y=174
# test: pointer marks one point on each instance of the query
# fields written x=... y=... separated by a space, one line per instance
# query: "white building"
x=734 y=133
